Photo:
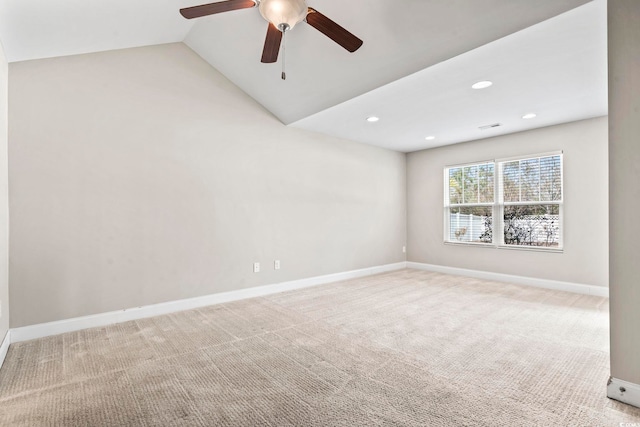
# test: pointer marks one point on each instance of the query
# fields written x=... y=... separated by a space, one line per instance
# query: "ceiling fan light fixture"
x=283 y=14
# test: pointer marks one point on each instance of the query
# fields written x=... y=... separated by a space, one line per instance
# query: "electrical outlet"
x=256 y=267
x=404 y=249
x=276 y=264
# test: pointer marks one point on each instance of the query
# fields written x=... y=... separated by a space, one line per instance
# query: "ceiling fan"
x=282 y=16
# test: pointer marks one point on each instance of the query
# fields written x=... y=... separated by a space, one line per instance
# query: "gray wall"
x=624 y=182
x=141 y=176
x=585 y=256
x=4 y=199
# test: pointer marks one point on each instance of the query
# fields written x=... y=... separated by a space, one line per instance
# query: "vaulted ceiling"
x=414 y=70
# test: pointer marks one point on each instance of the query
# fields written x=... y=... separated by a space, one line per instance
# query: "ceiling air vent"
x=495 y=125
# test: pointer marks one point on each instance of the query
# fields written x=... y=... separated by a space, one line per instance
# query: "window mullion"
x=519 y=180
x=498 y=228
x=539 y=179
x=463 y=186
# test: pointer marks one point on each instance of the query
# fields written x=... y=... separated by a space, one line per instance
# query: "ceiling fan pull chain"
x=284 y=51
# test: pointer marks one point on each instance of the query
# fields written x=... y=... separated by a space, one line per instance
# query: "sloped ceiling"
x=401 y=38
x=556 y=69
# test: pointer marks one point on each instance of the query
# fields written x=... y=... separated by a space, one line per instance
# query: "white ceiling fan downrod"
x=284 y=28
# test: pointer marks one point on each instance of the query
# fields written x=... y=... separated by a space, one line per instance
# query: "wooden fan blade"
x=213 y=8
x=271 y=45
x=332 y=30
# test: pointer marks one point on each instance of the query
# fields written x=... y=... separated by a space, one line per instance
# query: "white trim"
x=578 y=288
x=461 y=165
x=630 y=395
x=4 y=347
x=546 y=249
x=530 y=156
x=103 y=319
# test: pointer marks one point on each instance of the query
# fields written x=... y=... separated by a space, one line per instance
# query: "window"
x=530 y=200
x=469 y=201
x=526 y=208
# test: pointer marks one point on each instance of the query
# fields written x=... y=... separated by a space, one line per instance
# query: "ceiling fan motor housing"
x=283 y=14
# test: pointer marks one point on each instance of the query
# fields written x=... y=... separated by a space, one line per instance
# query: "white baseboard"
x=4 y=347
x=624 y=391
x=26 y=333
x=518 y=280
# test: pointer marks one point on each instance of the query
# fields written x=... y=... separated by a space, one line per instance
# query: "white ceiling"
x=34 y=29
x=556 y=69
x=414 y=38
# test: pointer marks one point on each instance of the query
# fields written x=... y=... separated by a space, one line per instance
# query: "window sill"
x=530 y=248
x=471 y=244
x=507 y=247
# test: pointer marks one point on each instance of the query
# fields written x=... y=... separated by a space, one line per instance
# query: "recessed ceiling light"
x=529 y=116
x=373 y=119
x=430 y=138
x=482 y=85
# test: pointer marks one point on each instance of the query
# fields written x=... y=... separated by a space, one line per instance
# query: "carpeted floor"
x=407 y=348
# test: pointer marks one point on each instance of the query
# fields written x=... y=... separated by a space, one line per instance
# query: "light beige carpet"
x=404 y=348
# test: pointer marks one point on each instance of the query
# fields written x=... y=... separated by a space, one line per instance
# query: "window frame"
x=498 y=205
x=448 y=205
x=501 y=204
